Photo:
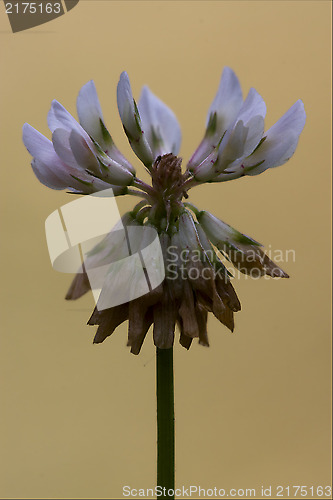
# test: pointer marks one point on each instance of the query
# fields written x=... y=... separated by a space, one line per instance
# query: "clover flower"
x=83 y=158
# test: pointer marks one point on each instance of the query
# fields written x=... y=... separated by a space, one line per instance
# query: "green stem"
x=165 y=421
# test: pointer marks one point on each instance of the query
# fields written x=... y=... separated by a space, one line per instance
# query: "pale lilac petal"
x=126 y=106
x=253 y=105
x=221 y=115
x=89 y=112
x=91 y=118
x=47 y=176
x=46 y=165
x=131 y=120
x=53 y=172
x=280 y=143
x=233 y=149
x=108 y=169
x=114 y=154
x=206 y=167
x=256 y=127
x=240 y=143
x=241 y=137
x=59 y=117
x=227 y=102
x=60 y=139
x=82 y=152
x=159 y=124
x=36 y=143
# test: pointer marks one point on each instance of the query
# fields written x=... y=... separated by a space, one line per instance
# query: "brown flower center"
x=167 y=174
x=167 y=182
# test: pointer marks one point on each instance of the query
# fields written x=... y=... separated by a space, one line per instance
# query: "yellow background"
x=77 y=420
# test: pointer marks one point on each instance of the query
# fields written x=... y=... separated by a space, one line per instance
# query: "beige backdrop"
x=77 y=420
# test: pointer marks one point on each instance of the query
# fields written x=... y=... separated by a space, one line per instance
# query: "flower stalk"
x=193 y=245
x=165 y=421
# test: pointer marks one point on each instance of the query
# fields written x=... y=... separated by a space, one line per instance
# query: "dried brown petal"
x=187 y=312
x=255 y=262
x=271 y=268
x=184 y=340
x=227 y=319
x=204 y=281
x=138 y=310
x=108 y=320
x=138 y=336
x=225 y=315
x=204 y=301
x=96 y=317
x=201 y=277
x=201 y=315
x=227 y=293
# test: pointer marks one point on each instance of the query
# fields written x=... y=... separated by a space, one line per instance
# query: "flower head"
x=83 y=158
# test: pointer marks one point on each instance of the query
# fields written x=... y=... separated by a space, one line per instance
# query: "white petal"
x=256 y=126
x=221 y=115
x=159 y=124
x=246 y=132
x=47 y=166
x=293 y=119
x=232 y=149
x=48 y=177
x=91 y=119
x=44 y=153
x=36 y=143
x=206 y=169
x=235 y=145
x=125 y=103
x=90 y=112
x=131 y=120
x=82 y=152
x=281 y=141
x=241 y=141
x=60 y=139
x=227 y=101
x=59 y=117
x=52 y=171
x=253 y=105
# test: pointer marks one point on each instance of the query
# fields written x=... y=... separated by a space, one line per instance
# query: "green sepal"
x=248 y=169
x=85 y=183
x=192 y=207
x=212 y=123
x=262 y=140
x=137 y=116
x=106 y=134
x=102 y=164
x=245 y=240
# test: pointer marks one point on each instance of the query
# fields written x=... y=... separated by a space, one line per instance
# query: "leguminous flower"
x=83 y=158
